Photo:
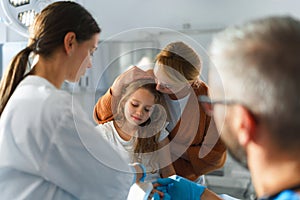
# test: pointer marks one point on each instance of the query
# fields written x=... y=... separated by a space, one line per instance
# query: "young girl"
x=177 y=71
x=138 y=129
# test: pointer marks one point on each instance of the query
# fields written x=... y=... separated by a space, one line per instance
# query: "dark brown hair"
x=46 y=35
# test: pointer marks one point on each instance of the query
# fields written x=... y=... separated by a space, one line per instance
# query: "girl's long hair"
x=143 y=144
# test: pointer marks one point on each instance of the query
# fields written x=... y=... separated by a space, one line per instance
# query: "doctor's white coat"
x=50 y=150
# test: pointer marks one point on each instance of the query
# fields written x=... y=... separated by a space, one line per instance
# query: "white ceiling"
x=115 y=16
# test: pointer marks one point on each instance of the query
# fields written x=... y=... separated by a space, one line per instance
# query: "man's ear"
x=245 y=125
x=69 y=42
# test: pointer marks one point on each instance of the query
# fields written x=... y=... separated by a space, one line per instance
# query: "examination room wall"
x=133 y=31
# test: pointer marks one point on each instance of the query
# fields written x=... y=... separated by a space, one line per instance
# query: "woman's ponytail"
x=14 y=74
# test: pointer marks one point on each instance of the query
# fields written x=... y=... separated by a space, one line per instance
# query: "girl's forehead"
x=144 y=95
x=141 y=92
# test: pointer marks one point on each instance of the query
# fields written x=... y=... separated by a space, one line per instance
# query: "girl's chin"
x=136 y=123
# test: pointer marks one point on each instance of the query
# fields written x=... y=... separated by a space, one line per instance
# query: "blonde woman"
x=177 y=70
x=138 y=129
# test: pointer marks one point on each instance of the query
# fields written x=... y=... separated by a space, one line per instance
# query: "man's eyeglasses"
x=208 y=104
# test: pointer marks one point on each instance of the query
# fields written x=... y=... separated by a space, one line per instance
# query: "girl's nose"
x=139 y=111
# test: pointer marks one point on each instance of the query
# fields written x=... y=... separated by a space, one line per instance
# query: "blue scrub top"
x=287 y=195
x=284 y=195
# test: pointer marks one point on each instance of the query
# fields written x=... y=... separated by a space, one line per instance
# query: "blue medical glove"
x=157 y=197
x=162 y=189
x=181 y=188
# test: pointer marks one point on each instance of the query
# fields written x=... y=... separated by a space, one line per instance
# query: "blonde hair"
x=182 y=58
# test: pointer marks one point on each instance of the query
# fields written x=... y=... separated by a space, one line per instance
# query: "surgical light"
x=27 y=17
x=20 y=14
x=17 y=3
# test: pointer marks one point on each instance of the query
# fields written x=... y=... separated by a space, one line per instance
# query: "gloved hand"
x=157 y=197
x=180 y=188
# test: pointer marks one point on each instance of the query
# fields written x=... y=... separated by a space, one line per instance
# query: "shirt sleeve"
x=80 y=161
x=103 y=108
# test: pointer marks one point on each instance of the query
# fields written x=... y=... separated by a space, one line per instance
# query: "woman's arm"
x=165 y=159
x=210 y=155
x=103 y=108
x=76 y=151
x=209 y=195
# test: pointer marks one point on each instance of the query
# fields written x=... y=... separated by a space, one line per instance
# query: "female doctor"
x=46 y=151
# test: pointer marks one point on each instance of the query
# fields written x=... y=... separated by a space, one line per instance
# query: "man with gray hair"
x=256 y=106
